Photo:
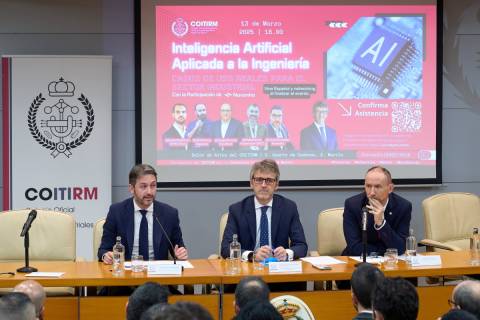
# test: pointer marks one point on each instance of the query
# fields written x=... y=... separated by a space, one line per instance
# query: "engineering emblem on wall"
x=59 y=124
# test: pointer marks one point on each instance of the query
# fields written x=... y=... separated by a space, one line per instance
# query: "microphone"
x=26 y=227
x=364 y=218
x=174 y=256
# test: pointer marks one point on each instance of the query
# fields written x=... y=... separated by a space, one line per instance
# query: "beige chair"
x=330 y=238
x=97 y=237
x=291 y=307
x=52 y=238
x=221 y=229
x=449 y=220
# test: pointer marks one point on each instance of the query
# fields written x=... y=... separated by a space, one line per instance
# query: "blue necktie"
x=264 y=227
x=143 y=236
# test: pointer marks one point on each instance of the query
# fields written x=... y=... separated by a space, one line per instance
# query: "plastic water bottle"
x=475 y=248
x=235 y=253
x=118 y=257
x=410 y=247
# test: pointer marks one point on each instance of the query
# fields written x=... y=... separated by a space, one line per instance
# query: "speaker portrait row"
x=266 y=223
x=229 y=133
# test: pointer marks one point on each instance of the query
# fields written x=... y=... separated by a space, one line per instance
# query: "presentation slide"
x=329 y=87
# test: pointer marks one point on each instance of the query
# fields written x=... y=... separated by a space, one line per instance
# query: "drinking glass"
x=390 y=258
x=137 y=263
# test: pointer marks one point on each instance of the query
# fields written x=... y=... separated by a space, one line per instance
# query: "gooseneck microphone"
x=26 y=241
x=174 y=256
x=364 y=233
x=26 y=227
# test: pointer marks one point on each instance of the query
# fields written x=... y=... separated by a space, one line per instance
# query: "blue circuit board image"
x=377 y=58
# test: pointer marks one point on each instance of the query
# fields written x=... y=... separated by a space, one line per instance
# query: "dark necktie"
x=264 y=227
x=143 y=236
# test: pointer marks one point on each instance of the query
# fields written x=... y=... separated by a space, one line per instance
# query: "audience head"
x=364 y=280
x=143 y=297
x=250 y=289
x=35 y=292
x=395 y=299
x=258 y=310
x=466 y=296
x=458 y=314
x=16 y=306
x=182 y=310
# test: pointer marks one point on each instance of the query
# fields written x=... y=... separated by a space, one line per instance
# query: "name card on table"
x=45 y=274
x=423 y=261
x=290 y=266
x=164 y=269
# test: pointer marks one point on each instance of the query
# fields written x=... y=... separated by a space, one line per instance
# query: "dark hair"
x=16 y=306
x=276 y=107
x=319 y=104
x=259 y=310
x=140 y=170
x=178 y=104
x=467 y=296
x=182 y=310
x=143 y=297
x=383 y=170
x=154 y=311
x=251 y=289
x=395 y=299
x=458 y=314
x=364 y=280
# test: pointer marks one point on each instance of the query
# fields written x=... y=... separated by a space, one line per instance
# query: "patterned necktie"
x=264 y=227
x=143 y=236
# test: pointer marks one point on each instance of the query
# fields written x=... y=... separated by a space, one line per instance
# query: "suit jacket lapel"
x=130 y=211
x=390 y=209
x=157 y=233
x=252 y=220
x=276 y=215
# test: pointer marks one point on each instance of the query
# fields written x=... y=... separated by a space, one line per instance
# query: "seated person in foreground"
x=139 y=221
x=388 y=221
x=265 y=221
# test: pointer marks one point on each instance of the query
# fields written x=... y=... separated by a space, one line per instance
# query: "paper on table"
x=45 y=274
x=421 y=261
x=373 y=260
x=184 y=263
x=322 y=260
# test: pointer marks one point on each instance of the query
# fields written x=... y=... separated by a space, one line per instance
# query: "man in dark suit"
x=388 y=221
x=265 y=221
x=132 y=219
x=277 y=133
x=200 y=127
x=178 y=129
x=318 y=136
x=227 y=127
x=364 y=279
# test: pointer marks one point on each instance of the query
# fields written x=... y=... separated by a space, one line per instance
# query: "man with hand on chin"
x=139 y=221
x=265 y=221
x=388 y=221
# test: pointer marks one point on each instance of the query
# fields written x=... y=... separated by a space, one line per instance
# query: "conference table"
x=325 y=304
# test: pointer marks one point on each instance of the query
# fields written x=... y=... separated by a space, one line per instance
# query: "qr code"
x=406 y=116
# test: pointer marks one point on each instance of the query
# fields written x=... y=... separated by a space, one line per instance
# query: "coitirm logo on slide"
x=57 y=124
x=179 y=27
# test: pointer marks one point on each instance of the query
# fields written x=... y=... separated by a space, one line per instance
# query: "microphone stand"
x=26 y=268
x=364 y=235
x=174 y=256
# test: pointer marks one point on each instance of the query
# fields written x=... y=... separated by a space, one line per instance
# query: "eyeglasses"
x=452 y=303
x=268 y=181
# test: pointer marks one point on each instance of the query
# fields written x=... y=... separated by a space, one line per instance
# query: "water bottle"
x=410 y=247
x=235 y=254
x=475 y=248
x=118 y=257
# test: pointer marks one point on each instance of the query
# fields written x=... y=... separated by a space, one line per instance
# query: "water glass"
x=137 y=263
x=257 y=265
x=390 y=258
x=233 y=265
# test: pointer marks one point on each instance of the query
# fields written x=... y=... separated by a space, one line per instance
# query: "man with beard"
x=201 y=127
x=251 y=128
x=276 y=129
x=139 y=222
x=178 y=128
x=265 y=221
x=388 y=219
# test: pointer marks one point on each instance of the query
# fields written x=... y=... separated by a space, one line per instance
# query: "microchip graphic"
x=382 y=57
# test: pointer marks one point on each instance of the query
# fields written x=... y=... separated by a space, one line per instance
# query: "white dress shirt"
x=137 y=219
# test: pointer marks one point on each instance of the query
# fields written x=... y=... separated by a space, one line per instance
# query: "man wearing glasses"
x=265 y=222
x=318 y=136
